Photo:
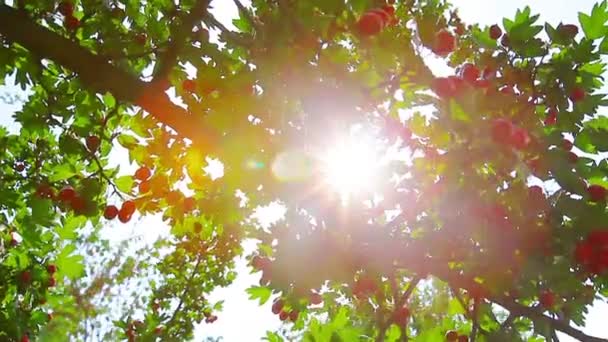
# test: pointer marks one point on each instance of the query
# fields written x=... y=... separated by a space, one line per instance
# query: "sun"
x=350 y=167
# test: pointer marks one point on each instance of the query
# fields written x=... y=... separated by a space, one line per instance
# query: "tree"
x=452 y=242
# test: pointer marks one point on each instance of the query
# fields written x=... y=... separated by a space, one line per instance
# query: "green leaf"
x=62 y=172
x=259 y=292
x=68 y=264
x=127 y=141
x=393 y=333
x=594 y=25
x=124 y=183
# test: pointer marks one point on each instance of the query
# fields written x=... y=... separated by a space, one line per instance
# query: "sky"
x=244 y=320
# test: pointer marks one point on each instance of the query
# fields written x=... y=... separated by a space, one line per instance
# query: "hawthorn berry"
x=463 y=338
x=277 y=306
x=110 y=212
x=445 y=43
x=597 y=193
x=577 y=94
x=502 y=130
x=315 y=298
x=551 y=118
x=93 y=143
x=260 y=263
x=547 y=299
x=67 y=194
x=128 y=207
x=124 y=217
x=448 y=87
x=51 y=268
x=52 y=281
x=283 y=315
x=470 y=73
x=143 y=173
x=25 y=277
x=370 y=24
x=158 y=330
x=495 y=32
x=25 y=338
x=568 y=30
x=71 y=23
x=459 y=29
x=144 y=187
x=584 y=252
x=293 y=315
x=78 y=204
x=567 y=144
x=520 y=139
x=401 y=315
x=19 y=167
x=66 y=8
x=451 y=336
x=189 y=85
x=141 y=38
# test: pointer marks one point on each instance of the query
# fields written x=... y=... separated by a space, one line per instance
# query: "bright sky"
x=243 y=320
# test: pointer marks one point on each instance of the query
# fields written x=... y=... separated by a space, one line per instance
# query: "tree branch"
x=98 y=74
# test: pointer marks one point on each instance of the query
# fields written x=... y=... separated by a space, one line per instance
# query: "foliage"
x=453 y=240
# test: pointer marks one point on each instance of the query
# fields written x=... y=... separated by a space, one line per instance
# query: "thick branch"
x=98 y=74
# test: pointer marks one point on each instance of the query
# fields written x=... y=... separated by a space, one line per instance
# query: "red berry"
x=110 y=212
x=143 y=173
x=277 y=306
x=445 y=43
x=520 y=139
x=501 y=131
x=389 y=9
x=547 y=299
x=495 y=32
x=25 y=338
x=71 y=23
x=93 y=143
x=463 y=338
x=19 y=167
x=128 y=207
x=470 y=73
x=260 y=263
x=386 y=17
x=283 y=315
x=568 y=30
x=144 y=187
x=572 y=157
x=315 y=299
x=597 y=193
x=370 y=24
x=78 y=204
x=459 y=30
x=66 y=8
x=124 y=217
x=584 y=252
x=141 y=38
x=505 y=41
x=45 y=191
x=25 y=277
x=577 y=94
x=451 y=336
x=51 y=268
x=448 y=87
x=52 y=282
x=67 y=194
x=189 y=85
x=551 y=118
x=567 y=145
x=401 y=315
x=158 y=330
x=293 y=315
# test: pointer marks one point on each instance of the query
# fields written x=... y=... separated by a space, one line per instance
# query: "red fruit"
x=567 y=145
x=277 y=306
x=283 y=315
x=315 y=299
x=144 y=187
x=66 y=8
x=389 y=9
x=401 y=315
x=470 y=73
x=364 y=287
x=569 y=30
x=143 y=173
x=495 y=32
x=67 y=194
x=158 y=330
x=78 y=204
x=71 y=23
x=260 y=263
x=128 y=207
x=583 y=253
x=445 y=43
x=293 y=315
x=489 y=73
x=124 y=217
x=19 y=167
x=370 y=24
x=448 y=87
x=577 y=94
x=501 y=131
x=463 y=338
x=551 y=118
x=141 y=38
x=51 y=268
x=386 y=17
x=45 y=191
x=547 y=299
x=211 y=319
x=52 y=282
x=24 y=338
x=520 y=139
x=189 y=204
x=110 y=212
x=189 y=85
x=93 y=143
x=25 y=277
x=598 y=238
x=505 y=41
x=483 y=83
x=459 y=30
x=451 y=336
x=597 y=193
